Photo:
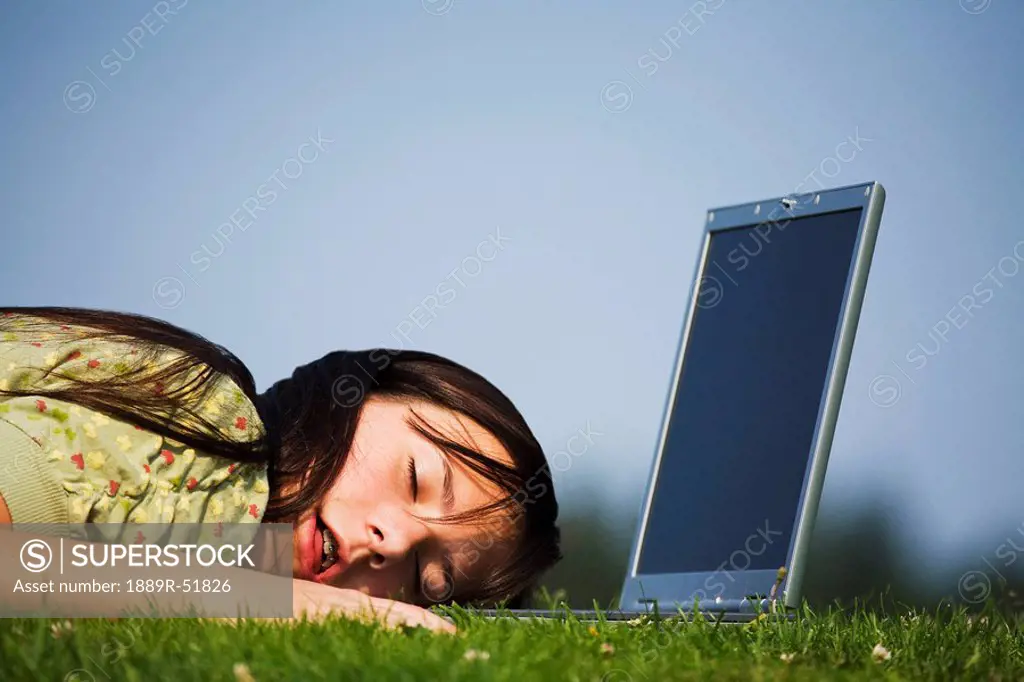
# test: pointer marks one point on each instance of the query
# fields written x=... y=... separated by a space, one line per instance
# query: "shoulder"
x=38 y=355
x=91 y=468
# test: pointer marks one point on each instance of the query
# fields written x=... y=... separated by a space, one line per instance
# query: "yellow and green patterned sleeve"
x=64 y=463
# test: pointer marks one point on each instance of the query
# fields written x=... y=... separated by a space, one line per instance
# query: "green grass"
x=939 y=645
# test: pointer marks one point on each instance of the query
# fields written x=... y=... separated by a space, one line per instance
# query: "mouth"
x=324 y=554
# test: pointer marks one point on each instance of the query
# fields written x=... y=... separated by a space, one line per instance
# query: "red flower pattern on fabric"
x=108 y=472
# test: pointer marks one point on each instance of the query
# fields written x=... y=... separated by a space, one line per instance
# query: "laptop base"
x=591 y=616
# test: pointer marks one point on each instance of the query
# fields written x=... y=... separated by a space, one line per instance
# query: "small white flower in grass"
x=880 y=653
x=787 y=658
x=474 y=655
x=61 y=627
x=635 y=621
x=242 y=673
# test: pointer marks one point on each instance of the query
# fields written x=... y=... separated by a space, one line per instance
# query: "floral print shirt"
x=63 y=463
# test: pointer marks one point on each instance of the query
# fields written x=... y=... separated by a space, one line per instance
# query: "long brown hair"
x=309 y=421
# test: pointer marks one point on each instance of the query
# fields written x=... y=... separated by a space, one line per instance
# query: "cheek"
x=438 y=587
x=366 y=472
x=356 y=482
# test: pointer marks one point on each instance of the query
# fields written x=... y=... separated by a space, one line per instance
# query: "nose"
x=392 y=537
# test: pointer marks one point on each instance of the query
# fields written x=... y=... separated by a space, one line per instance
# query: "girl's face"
x=392 y=476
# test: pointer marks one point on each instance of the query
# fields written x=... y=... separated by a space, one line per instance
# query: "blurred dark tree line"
x=855 y=555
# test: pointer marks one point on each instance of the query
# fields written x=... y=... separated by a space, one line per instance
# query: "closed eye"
x=414 y=487
x=414 y=484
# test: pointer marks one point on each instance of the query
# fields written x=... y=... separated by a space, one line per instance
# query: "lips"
x=316 y=566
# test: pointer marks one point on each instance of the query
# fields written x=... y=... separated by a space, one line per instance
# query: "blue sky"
x=548 y=167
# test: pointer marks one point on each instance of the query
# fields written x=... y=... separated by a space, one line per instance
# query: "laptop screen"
x=740 y=434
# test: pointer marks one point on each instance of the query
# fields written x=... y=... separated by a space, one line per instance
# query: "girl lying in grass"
x=404 y=475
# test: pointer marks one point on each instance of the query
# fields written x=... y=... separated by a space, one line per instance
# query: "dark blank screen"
x=753 y=377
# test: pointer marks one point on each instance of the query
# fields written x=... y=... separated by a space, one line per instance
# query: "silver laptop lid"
x=759 y=375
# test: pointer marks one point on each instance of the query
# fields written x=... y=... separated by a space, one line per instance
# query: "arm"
x=309 y=600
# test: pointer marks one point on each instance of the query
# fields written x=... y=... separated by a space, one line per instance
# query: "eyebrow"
x=448 y=503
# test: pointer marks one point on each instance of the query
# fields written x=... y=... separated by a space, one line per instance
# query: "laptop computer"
x=746 y=432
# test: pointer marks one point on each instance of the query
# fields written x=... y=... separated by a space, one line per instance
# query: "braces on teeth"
x=329 y=558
